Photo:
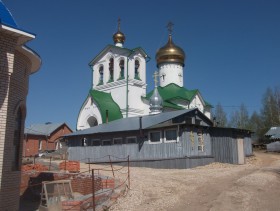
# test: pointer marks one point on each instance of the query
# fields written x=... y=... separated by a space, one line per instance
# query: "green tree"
x=220 y=116
x=240 y=118
x=270 y=111
x=255 y=124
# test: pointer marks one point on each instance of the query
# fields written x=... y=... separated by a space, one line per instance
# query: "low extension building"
x=44 y=137
x=175 y=139
x=273 y=134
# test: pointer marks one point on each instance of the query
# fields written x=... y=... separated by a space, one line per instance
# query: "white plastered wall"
x=89 y=109
x=118 y=88
x=171 y=73
x=197 y=103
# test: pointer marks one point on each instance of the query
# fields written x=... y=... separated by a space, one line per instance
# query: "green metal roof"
x=167 y=104
x=105 y=102
x=208 y=104
x=108 y=47
x=174 y=92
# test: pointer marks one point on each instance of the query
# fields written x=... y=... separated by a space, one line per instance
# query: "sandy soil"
x=253 y=186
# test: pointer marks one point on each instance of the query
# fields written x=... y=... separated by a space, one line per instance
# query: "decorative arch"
x=92 y=121
x=109 y=56
x=22 y=106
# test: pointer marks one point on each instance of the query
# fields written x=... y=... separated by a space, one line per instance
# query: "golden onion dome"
x=170 y=53
x=119 y=37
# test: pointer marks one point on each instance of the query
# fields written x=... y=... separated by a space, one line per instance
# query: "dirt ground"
x=253 y=186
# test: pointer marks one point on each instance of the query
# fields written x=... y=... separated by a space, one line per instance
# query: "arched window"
x=92 y=121
x=111 y=70
x=16 y=144
x=136 y=70
x=122 y=69
x=101 y=75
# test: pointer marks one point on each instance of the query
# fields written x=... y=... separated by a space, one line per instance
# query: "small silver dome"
x=155 y=102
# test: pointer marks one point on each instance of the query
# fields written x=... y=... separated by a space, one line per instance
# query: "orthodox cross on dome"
x=170 y=27
x=119 y=24
x=156 y=78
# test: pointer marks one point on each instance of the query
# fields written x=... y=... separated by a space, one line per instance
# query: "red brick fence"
x=109 y=182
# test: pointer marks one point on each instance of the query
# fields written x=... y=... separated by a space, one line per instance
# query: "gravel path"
x=253 y=186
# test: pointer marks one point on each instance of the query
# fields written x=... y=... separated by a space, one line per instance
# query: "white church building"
x=118 y=87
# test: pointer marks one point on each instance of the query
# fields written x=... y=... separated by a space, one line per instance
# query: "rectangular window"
x=200 y=141
x=40 y=144
x=171 y=135
x=131 y=140
x=107 y=142
x=95 y=142
x=155 y=137
x=117 y=140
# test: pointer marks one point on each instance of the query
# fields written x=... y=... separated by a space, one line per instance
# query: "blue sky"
x=232 y=47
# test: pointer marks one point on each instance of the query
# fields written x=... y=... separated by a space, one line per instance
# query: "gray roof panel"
x=132 y=123
x=273 y=131
x=42 y=129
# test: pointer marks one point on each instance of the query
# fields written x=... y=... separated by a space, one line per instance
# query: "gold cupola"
x=119 y=37
x=170 y=53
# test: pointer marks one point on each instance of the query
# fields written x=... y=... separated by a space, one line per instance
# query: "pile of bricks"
x=81 y=183
x=71 y=205
x=36 y=167
x=71 y=166
x=108 y=183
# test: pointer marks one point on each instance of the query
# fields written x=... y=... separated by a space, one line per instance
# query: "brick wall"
x=31 y=145
x=59 y=132
x=31 y=142
x=81 y=183
x=14 y=73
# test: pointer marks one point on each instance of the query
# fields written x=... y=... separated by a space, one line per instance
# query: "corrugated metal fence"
x=219 y=145
x=273 y=147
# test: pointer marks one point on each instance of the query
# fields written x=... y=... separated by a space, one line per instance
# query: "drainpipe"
x=132 y=51
x=148 y=59
x=107 y=116
x=140 y=126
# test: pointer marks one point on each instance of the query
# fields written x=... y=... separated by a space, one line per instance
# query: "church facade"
x=118 y=88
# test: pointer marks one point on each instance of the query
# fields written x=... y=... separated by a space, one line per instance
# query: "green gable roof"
x=208 y=104
x=167 y=104
x=128 y=52
x=105 y=102
x=173 y=92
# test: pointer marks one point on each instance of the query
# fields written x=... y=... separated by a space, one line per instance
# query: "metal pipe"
x=93 y=191
x=140 y=126
x=128 y=172
x=107 y=116
x=132 y=51
x=88 y=165
x=111 y=165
